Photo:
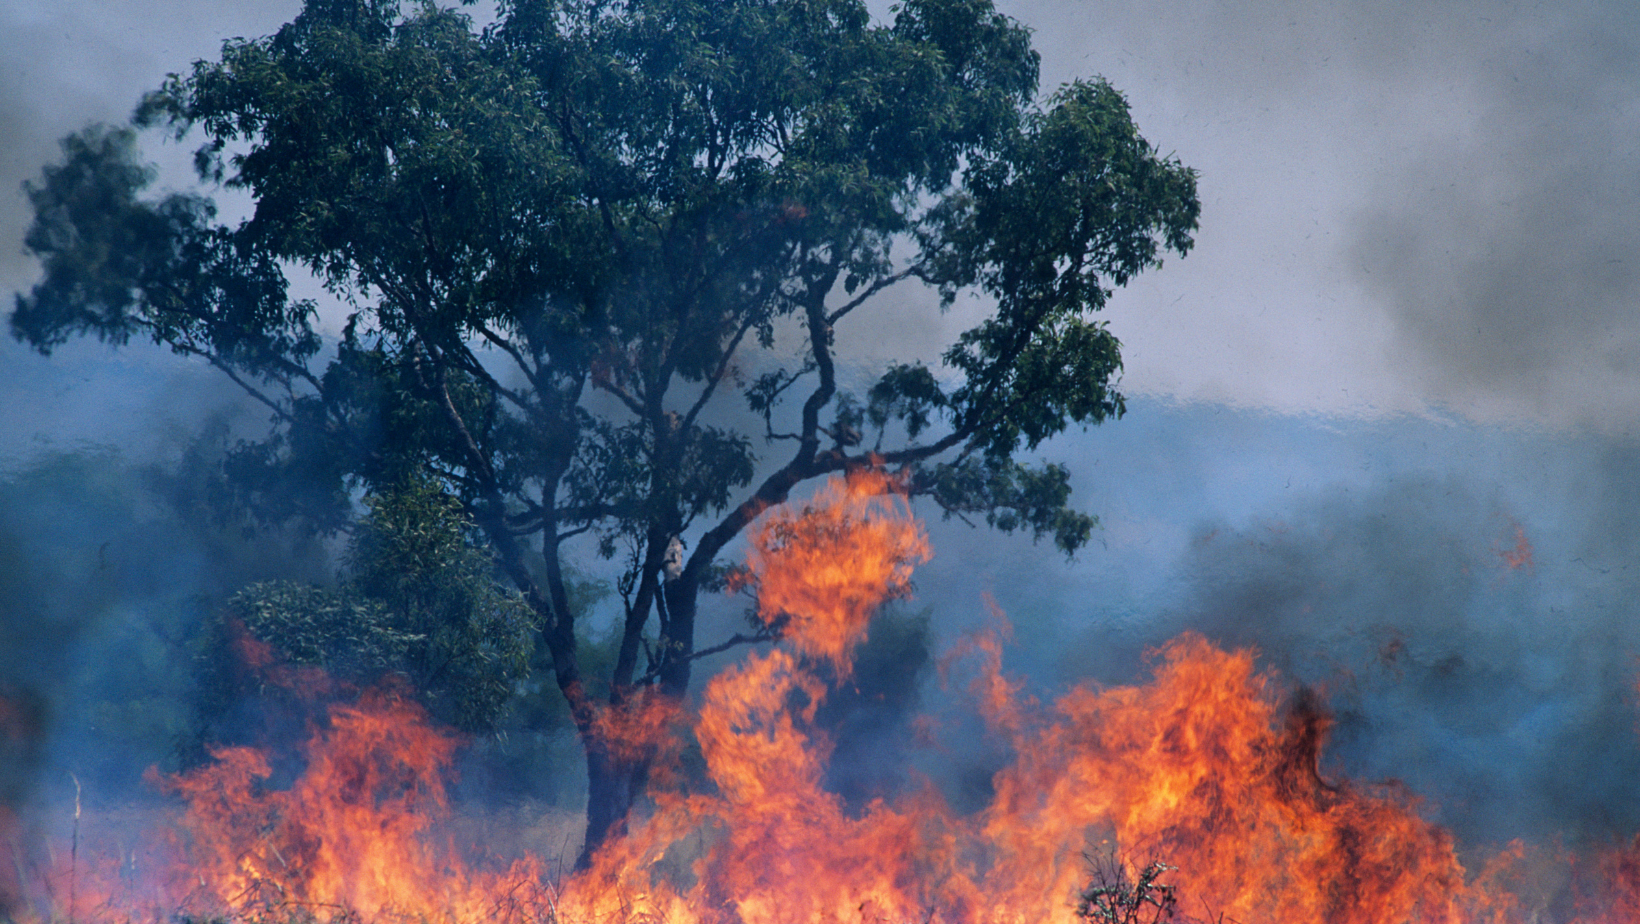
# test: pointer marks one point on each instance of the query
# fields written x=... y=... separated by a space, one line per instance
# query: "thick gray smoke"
x=1506 y=255
x=1403 y=205
x=108 y=563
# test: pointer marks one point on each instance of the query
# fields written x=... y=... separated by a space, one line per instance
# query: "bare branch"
x=632 y=404
x=499 y=342
x=215 y=359
x=873 y=289
x=717 y=374
x=738 y=639
x=562 y=537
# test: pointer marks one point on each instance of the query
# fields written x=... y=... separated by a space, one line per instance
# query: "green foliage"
x=1011 y=497
x=420 y=602
x=1076 y=203
x=352 y=637
x=614 y=195
x=116 y=265
x=412 y=556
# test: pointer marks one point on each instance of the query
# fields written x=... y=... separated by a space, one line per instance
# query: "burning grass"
x=1212 y=766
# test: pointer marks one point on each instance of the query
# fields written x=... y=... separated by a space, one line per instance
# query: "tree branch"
x=530 y=372
x=215 y=359
x=873 y=289
x=632 y=404
x=738 y=639
x=717 y=374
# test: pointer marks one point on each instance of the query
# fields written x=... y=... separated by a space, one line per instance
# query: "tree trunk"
x=615 y=780
x=613 y=785
x=679 y=642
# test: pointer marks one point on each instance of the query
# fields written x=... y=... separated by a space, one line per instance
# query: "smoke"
x=1404 y=207
x=1504 y=251
x=107 y=573
x=70 y=64
x=1491 y=682
x=66 y=66
x=1460 y=596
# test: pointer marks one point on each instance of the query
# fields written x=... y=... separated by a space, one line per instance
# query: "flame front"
x=353 y=835
x=1211 y=767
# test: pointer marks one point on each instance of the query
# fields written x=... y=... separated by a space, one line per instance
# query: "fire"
x=827 y=566
x=1204 y=768
x=1213 y=768
x=354 y=834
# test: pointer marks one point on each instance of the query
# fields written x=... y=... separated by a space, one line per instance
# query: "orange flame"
x=1212 y=767
x=1202 y=766
x=826 y=566
x=351 y=836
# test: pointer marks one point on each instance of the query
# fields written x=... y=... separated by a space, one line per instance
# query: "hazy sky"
x=1407 y=207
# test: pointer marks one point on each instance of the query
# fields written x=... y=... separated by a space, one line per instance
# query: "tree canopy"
x=581 y=247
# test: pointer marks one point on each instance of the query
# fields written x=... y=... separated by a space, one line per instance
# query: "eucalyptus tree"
x=570 y=243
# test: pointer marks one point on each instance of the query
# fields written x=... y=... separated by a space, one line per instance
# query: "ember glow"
x=1213 y=767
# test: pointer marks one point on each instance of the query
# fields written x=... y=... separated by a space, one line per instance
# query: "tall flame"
x=1203 y=767
x=826 y=566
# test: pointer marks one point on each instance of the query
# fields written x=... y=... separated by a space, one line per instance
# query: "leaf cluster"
x=116 y=265
x=420 y=602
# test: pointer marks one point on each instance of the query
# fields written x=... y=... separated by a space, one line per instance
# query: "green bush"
x=418 y=604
